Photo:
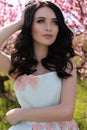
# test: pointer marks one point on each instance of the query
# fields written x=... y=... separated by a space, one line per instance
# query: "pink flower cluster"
x=50 y=126
x=81 y=52
x=71 y=125
x=22 y=81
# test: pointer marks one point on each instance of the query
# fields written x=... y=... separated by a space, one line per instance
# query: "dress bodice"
x=38 y=91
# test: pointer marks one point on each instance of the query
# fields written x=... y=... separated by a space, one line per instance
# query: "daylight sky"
x=15 y=2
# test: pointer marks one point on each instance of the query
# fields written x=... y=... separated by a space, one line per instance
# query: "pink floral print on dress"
x=37 y=126
x=63 y=125
x=22 y=81
x=48 y=126
x=32 y=80
x=70 y=124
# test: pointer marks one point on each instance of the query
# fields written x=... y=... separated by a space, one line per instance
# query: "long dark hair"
x=59 y=53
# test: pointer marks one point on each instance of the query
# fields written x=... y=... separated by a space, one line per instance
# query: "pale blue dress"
x=37 y=92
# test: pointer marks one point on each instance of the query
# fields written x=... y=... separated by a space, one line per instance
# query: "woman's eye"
x=55 y=22
x=40 y=21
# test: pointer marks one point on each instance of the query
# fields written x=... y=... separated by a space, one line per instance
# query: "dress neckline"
x=44 y=74
x=34 y=76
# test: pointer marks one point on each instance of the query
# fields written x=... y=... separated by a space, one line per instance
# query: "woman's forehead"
x=45 y=12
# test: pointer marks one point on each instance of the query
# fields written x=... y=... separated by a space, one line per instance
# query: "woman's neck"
x=40 y=52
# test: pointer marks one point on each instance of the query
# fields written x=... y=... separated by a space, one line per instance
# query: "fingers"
x=30 y=3
x=13 y=117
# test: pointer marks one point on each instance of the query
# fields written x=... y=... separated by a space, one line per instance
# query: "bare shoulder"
x=69 y=90
x=71 y=81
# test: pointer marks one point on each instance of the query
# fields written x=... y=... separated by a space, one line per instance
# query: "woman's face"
x=44 y=28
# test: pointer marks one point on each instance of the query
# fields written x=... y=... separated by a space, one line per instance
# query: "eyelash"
x=40 y=21
x=55 y=22
x=43 y=21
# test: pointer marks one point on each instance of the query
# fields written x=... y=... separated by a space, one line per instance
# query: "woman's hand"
x=20 y=20
x=14 y=116
x=21 y=17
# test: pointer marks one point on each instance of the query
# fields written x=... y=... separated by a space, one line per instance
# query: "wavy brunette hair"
x=59 y=53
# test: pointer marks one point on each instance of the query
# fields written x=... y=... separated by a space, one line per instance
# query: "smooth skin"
x=44 y=33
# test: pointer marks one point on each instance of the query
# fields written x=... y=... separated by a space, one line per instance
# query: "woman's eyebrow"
x=45 y=18
x=40 y=18
x=54 y=19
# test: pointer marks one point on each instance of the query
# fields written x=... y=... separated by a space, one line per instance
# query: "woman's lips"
x=47 y=36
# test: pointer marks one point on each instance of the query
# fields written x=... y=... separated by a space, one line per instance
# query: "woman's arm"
x=62 y=112
x=8 y=30
x=5 y=33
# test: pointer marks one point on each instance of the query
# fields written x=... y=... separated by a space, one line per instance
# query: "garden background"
x=75 y=13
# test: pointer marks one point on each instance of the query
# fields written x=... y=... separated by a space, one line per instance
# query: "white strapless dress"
x=37 y=92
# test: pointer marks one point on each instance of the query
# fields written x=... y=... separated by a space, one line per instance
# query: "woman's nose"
x=48 y=27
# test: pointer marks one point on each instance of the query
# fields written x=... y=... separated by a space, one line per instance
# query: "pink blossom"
x=32 y=80
x=37 y=126
x=22 y=81
x=49 y=126
x=63 y=125
x=70 y=124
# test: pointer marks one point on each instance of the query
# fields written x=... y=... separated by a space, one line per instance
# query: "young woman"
x=42 y=70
